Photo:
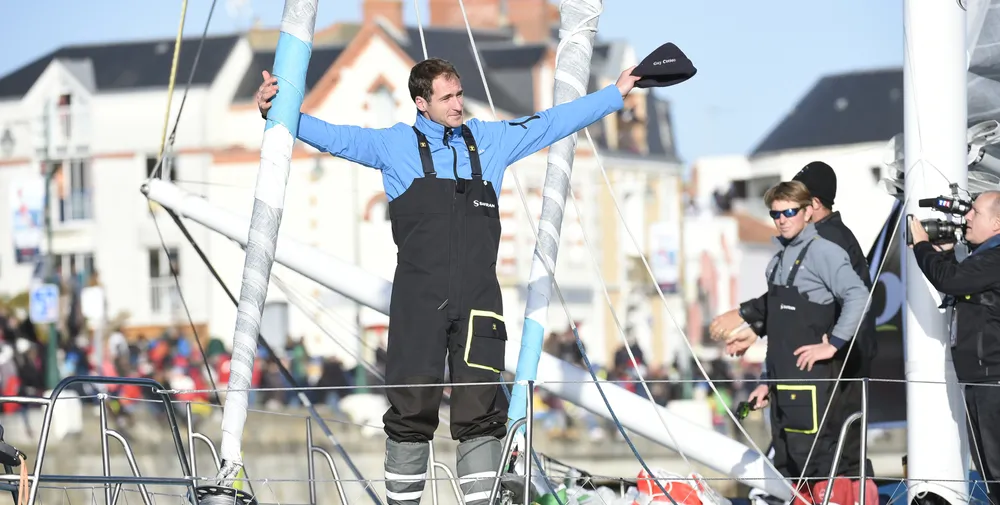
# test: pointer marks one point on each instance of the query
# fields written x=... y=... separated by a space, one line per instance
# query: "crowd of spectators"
x=173 y=360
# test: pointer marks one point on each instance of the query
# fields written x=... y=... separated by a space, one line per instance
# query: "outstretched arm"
x=365 y=146
x=524 y=136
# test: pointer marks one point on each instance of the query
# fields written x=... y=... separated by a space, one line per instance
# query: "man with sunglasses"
x=806 y=279
x=821 y=181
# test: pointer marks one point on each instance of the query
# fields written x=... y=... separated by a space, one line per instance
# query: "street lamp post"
x=52 y=375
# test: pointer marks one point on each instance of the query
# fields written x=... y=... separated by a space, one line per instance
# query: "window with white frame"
x=64 y=111
x=168 y=171
x=77 y=267
x=383 y=107
x=73 y=182
x=164 y=297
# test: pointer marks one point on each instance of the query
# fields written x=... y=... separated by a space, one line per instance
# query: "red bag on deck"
x=845 y=492
x=871 y=492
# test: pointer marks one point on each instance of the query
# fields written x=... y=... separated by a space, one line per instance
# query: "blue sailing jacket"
x=394 y=152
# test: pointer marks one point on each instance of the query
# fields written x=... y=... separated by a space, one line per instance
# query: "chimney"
x=530 y=19
x=390 y=10
x=481 y=13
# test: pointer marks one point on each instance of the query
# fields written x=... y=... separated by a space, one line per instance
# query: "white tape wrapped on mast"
x=291 y=60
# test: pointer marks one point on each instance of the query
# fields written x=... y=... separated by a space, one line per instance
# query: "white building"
x=96 y=113
x=846 y=120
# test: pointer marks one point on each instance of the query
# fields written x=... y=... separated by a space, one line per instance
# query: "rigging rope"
x=173 y=72
x=298 y=300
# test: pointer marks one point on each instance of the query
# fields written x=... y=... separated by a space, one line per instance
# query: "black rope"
x=180 y=294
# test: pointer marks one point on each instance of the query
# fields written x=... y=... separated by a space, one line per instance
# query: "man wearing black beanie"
x=821 y=181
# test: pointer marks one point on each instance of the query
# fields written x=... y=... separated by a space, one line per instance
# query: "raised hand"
x=627 y=81
x=266 y=92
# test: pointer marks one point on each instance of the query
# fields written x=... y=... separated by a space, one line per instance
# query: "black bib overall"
x=798 y=404
x=446 y=302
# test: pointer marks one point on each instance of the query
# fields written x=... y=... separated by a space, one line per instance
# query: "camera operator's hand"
x=917 y=232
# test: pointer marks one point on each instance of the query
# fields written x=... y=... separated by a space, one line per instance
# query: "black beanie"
x=821 y=181
x=665 y=66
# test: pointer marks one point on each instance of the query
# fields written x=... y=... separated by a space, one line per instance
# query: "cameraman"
x=972 y=286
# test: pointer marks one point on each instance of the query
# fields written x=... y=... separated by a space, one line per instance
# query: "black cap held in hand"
x=664 y=67
x=821 y=181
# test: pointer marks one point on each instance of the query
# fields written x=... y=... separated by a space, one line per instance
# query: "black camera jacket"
x=975 y=285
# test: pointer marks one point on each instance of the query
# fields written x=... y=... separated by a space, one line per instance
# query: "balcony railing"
x=77 y=206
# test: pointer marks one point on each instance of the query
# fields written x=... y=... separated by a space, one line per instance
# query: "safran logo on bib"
x=477 y=203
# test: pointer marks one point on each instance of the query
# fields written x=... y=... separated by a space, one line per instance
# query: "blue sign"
x=43 y=304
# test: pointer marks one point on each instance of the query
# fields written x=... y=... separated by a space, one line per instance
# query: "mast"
x=578 y=27
x=291 y=60
x=713 y=449
x=934 y=127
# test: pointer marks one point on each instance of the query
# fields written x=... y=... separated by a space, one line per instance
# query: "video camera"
x=940 y=231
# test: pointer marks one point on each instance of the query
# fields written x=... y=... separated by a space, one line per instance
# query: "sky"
x=755 y=59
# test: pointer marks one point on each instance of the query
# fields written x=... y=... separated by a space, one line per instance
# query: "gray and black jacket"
x=825 y=276
x=832 y=228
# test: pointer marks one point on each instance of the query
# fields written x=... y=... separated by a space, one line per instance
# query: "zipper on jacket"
x=980 y=352
x=451 y=218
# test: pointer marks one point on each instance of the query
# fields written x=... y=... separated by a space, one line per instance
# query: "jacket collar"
x=832 y=218
x=807 y=233
x=990 y=243
x=433 y=131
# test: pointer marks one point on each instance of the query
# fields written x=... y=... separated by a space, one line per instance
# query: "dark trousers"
x=416 y=356
x=983 y=403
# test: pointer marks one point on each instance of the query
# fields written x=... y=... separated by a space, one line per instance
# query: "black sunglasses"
x=789 y=213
